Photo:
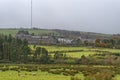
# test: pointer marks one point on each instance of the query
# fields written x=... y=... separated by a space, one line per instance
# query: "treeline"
x=13 y=50
x=113 y=42
x=18 y=51
x=108 y=43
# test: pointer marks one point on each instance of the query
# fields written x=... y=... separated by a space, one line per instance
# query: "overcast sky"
x=82 y=15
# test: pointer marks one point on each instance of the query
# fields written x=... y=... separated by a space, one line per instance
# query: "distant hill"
x=93 y=35
x=13 y=32
x=57 y=32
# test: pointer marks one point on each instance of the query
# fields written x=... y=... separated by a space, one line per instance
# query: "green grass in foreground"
x=13 y=75
x=117 y=77
x=23 y=75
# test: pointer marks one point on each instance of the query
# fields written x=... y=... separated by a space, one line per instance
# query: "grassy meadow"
x=13 y=32
x=13 y=75
x=61 y=71
x=77 y=52
x=52 y=72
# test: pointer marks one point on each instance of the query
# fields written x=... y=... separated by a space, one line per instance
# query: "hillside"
x=64 y=33
x=82 y=34
x=13 y=32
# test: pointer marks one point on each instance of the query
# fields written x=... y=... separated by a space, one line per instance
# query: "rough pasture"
x=59 y=72
x=76 y=52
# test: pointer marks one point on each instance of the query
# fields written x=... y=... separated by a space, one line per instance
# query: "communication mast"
x=31 y=16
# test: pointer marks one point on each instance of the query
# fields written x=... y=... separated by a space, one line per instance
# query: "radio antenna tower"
x=31 y=16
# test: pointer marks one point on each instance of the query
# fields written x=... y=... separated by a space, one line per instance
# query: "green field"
x=13 y=75
x=48 y=72
x=13 y=32
x=62 y=48
x=12 y=72
x=77 y=52
x=8 y=31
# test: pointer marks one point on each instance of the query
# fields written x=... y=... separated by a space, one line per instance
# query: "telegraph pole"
x=31 y=15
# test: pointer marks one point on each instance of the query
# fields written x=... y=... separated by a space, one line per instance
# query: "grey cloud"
x=84 y=15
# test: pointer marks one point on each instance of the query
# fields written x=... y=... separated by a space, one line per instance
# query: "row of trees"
x=108 y=43
x=105 y=43
x=16 y=50
x=12 y=49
